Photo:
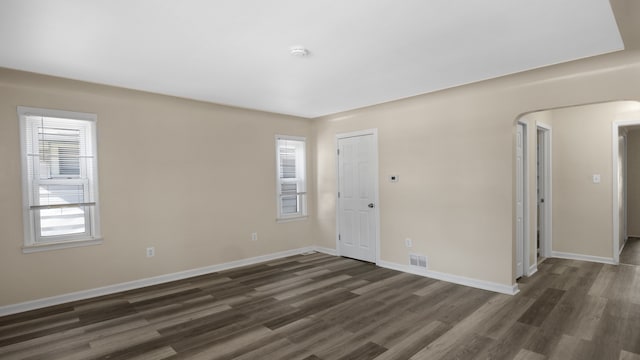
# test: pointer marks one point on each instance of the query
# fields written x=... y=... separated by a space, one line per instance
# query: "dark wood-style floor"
x=630 y=255
x=324 y=307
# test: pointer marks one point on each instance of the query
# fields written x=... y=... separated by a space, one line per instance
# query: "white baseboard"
x=325 y=250
x=456 y=279
x=571 y=256
x=110 y=289
x=532 y=269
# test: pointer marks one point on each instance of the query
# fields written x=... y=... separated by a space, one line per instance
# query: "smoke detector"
x=299 y=51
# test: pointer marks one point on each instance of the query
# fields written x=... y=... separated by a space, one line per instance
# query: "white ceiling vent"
x=299 y=51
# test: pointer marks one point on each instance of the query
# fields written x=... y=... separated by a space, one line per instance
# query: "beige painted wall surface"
x=633 y=183
x=190 y=178
x=582 y=146
x=454 y=153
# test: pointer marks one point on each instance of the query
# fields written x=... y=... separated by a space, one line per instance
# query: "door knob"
x=371 y=205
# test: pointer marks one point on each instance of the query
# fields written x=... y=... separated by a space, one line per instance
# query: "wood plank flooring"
x=631 y=253
x=324 y=307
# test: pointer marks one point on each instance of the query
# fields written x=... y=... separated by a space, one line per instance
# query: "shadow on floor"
x=630 y=255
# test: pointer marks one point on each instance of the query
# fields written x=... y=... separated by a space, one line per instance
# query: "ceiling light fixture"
x=299 y=51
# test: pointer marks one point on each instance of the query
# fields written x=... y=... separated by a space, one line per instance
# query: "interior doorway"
x=626 y=134
x=591 y=164
x=357 y=198
x=543 y=191
x=622 y=186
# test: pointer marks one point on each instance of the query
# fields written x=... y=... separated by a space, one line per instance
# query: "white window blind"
x=291 y=177
x=60 y=173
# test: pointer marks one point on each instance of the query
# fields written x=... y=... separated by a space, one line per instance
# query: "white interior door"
x=520 y=194
x=357 y=211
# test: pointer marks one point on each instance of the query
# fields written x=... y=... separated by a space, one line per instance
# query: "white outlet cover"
x=596 y=178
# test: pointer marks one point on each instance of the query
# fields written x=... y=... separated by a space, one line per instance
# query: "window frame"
x=302 y=195
x=33 y=242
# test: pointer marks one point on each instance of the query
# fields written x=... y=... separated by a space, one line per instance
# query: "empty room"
x=320 y=180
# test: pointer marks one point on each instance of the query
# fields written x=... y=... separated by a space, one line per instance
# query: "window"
x=59 y=171
x=291 y=178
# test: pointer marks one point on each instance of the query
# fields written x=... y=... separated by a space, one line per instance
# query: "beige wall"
x=633 y=183
x=190 y=178
x=453 y=151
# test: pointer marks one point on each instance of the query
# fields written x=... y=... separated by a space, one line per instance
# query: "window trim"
x=30 y=243
x=301 y=215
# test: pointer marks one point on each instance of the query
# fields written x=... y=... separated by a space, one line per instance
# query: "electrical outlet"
x=254 y=236
x=408 y=242
x=151 y=251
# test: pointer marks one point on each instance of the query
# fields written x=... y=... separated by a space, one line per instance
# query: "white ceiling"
x=236 y=52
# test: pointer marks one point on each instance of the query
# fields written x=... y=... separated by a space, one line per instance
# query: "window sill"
x=290 y=219
x=60 y=245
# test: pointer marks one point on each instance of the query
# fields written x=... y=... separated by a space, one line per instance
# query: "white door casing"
x=622 y=188
x=520 y=195
x=357 y=196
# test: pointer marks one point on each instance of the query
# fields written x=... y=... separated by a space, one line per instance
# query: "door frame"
x=526 y=241
x=615 y=132
x=376 y=209
x=547 y=241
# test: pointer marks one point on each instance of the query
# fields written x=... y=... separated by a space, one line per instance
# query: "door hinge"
x=338 y=194
x=338 y=152
x=339 y=237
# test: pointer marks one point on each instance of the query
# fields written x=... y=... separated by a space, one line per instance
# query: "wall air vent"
x=418 y=261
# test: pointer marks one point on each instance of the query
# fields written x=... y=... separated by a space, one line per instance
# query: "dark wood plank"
x=365 y=352
x=324 y=307
x=542 y=307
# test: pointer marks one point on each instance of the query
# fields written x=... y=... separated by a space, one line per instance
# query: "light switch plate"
x=596 y=178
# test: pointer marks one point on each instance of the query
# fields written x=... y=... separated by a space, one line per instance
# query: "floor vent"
x=418 y=260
